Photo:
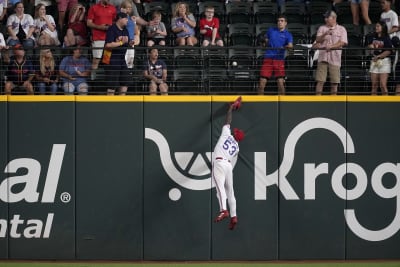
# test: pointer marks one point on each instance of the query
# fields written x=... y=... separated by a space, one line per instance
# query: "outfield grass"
x=200 y=264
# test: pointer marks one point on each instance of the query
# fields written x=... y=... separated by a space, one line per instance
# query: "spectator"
x=183 y=25
x=331 y=37
x=74 y=71
x=391 y=19
x=63 y=6
x=100 y=18
x=209 y=28
x=20 y=72
x=157 y=32
x=77 y=33
x=278 y=39
x=45 y=27
x=47 y=75
x=3 y=11
x=380 y=63
x=4 y=46
x=139 y=20
x=126 y=7
x=155 y=70
x=20 y=28
x=51 y=9
x=355 y=7
x=117 y=41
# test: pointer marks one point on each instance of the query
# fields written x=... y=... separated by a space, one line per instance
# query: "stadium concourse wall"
x=128 y=178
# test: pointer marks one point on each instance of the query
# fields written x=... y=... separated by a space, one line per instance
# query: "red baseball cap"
x=238 y=134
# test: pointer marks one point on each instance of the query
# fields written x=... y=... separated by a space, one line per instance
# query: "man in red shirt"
x=100 y=17
x=209 y=27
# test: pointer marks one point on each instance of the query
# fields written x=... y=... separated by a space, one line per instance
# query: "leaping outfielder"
x=225 y=155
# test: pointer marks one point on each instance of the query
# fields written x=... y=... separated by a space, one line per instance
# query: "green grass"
x=200 y=264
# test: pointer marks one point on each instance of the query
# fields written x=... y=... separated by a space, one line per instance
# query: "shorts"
x=157 y=40
x=381 y=66
x=71 y=87
x=63 y=5
x=272 y=66
x=358 y=1
x=120 y=76
x=209 y=39
x=97 y=50
x=322 y=72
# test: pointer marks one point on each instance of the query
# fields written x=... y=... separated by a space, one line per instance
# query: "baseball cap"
x=330 y=13
x=238 y=134
x=121 y=15
x=18 y=47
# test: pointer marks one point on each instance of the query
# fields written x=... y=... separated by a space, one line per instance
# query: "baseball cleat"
x=222 y=215
x=233 y=223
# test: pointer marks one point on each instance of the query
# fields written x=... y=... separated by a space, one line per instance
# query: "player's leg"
x=230 y=192
x=219 y=179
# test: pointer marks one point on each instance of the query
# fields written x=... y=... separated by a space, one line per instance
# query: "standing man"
x=277 y=40
x=331 y=37
x=155 y=70
x=225 y=157
x=118 y=41
x=100 y=17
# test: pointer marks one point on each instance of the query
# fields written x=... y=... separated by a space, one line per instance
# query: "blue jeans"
x=43 y=86
x=27 y=43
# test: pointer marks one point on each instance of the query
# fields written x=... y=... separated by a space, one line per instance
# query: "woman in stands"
x=381 y=49
x=183 y=24
x=45 y=27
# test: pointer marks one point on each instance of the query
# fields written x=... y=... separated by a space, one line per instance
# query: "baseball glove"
x=237 y=103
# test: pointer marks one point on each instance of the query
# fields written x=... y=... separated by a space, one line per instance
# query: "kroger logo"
x=279 y=179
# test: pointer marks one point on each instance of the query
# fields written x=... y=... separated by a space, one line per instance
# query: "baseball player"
x=224 y=159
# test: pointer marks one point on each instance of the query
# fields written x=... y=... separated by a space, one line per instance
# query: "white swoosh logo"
x=169 y=167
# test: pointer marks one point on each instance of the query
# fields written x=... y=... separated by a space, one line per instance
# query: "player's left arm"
x=228 y=119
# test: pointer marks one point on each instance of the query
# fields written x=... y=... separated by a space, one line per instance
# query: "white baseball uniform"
x=225 y=156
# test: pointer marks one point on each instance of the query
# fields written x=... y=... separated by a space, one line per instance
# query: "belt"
x=220 y=158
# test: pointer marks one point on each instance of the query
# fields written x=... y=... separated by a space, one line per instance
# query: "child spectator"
x=183 y=24
x=209 y=27
x=156 y=33
x=155 y=70
x=77 y=33
x=45 y=27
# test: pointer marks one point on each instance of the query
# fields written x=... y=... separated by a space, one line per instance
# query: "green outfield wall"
x=129 y=178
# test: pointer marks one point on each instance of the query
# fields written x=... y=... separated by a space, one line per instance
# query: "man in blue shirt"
x=278 y=39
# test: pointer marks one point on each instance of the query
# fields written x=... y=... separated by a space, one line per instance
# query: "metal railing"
x=229 y=70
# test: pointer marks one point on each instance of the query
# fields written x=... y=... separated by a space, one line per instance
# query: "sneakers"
x=233 y=223
x=222 y=215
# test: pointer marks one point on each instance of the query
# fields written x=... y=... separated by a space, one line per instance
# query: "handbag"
x=106 y=56
x=21 y=35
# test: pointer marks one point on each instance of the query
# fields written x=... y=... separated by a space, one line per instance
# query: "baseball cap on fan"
x=121 y=15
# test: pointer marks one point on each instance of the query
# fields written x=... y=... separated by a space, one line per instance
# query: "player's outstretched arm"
x=228 y=119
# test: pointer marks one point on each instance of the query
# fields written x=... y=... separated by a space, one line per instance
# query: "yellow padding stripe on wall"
x=191 y=98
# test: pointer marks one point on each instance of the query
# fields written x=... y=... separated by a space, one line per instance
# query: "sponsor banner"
x=177 y=180
x=373 y=207
x=38 y=181
x=3 y=158
x=312 y=144
x=109 y=171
